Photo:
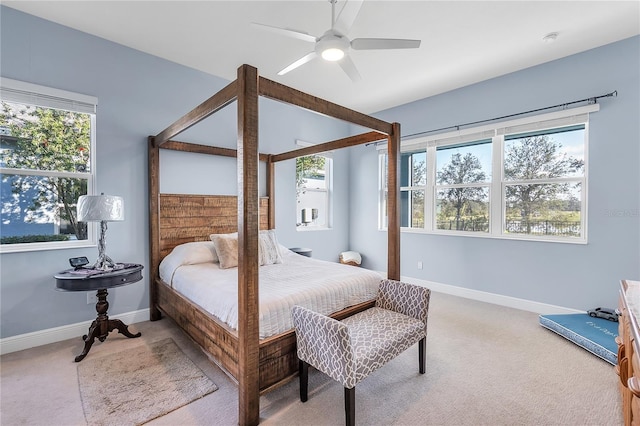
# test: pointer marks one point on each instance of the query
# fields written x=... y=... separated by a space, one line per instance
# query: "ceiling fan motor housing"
x=332 y=46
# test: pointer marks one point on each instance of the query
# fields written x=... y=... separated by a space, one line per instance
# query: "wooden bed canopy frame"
x=257 y=365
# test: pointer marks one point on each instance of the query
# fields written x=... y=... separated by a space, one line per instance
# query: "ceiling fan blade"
x=306 y=58
x=286 y=32
x=383 y=43
x=350 y=69
x=347 y=16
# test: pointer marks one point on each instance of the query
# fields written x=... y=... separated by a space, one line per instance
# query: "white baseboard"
x=496 y=299
x=56 y=334
x=43 y=337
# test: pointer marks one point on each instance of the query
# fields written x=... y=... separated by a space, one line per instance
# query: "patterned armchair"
x=351 y=349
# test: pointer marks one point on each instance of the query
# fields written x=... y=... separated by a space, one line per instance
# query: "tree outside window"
x=46 y=163
x=546 y=193
x=462 y=192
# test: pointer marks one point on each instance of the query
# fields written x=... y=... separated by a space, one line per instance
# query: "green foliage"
x=51 y=140
x=308 y=167
x=539 y=157
x=33 y=239
x=462 y=203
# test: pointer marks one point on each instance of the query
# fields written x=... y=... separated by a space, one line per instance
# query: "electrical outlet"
x=420 y=264
x=92 y=298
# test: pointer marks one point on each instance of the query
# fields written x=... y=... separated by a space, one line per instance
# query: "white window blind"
x=32 y=94
x=550 y=120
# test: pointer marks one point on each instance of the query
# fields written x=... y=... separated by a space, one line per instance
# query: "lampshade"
x=96 y=208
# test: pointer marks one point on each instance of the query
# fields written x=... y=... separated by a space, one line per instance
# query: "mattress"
x=324 y=287
x=596 y=335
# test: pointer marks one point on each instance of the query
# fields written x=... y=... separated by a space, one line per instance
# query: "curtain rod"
x=591 y=100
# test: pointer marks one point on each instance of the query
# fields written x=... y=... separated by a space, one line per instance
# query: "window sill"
x=29 y=247
x=312 y=228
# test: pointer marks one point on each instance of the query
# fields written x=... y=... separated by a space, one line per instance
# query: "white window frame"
x=383 y=191
x=411 y=189
x=329 y=192
x=497 y=199
x=21 y=92
x=436 y=186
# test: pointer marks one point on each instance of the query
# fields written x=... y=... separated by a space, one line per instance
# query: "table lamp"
x=101 y=208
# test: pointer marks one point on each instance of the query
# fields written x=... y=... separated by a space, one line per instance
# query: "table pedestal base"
x=102 y=325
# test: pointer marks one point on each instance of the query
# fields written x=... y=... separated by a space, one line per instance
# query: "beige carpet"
x=139 y=384
x=486 y=365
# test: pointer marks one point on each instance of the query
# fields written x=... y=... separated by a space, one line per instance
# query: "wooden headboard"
x=188 y=218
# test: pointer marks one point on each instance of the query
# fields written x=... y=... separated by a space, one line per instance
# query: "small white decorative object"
x=307 y=216
x=350 y=258
x=101 y=208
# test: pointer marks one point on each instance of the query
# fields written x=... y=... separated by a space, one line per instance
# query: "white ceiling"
x=463 y=42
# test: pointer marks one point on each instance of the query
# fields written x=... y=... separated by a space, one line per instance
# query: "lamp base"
x=105 y=263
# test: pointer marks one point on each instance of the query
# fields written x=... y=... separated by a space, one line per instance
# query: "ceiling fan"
x=334 y=45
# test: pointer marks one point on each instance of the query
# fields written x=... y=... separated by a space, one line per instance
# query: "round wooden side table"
x=85 y=279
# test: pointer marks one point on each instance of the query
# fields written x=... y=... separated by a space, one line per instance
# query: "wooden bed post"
x=393 y=206
x=248 y=228
x=239 y=352
x=154 y=226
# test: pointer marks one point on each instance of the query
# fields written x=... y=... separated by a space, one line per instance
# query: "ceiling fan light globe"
x=332 y=46
x=332 y=54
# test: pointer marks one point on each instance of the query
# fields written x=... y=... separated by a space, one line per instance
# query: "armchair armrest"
x=324 y=343
x=408 y=299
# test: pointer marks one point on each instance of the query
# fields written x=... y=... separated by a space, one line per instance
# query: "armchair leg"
x=350 y=406
x=422 y=344
x=303 y=369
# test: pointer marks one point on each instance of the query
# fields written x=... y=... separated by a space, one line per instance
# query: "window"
x=543 y=181
x=313 y=191
x=522 y=179
x=46 y=152
x=413 y=181
x=463 y=175
x=383 y=191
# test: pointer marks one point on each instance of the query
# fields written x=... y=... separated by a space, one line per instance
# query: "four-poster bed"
x=257 y=365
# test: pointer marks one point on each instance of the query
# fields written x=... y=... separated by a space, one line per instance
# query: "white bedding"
x=324 y=287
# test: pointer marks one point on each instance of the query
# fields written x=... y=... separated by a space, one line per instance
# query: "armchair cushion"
x=377 y=336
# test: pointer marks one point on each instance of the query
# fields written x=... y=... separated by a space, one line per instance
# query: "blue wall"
x=139 y=95
x=568 y=275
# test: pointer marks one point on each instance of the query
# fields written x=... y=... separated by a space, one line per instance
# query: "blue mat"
x=596 y=335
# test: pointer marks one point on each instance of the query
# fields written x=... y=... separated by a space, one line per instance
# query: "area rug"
x=139 y=384
x=596 y=335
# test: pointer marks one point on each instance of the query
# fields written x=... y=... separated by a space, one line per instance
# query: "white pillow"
x=269 y=250
x=227 y=249
x=213 y=236
x=187 y=254
x=196 y=252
